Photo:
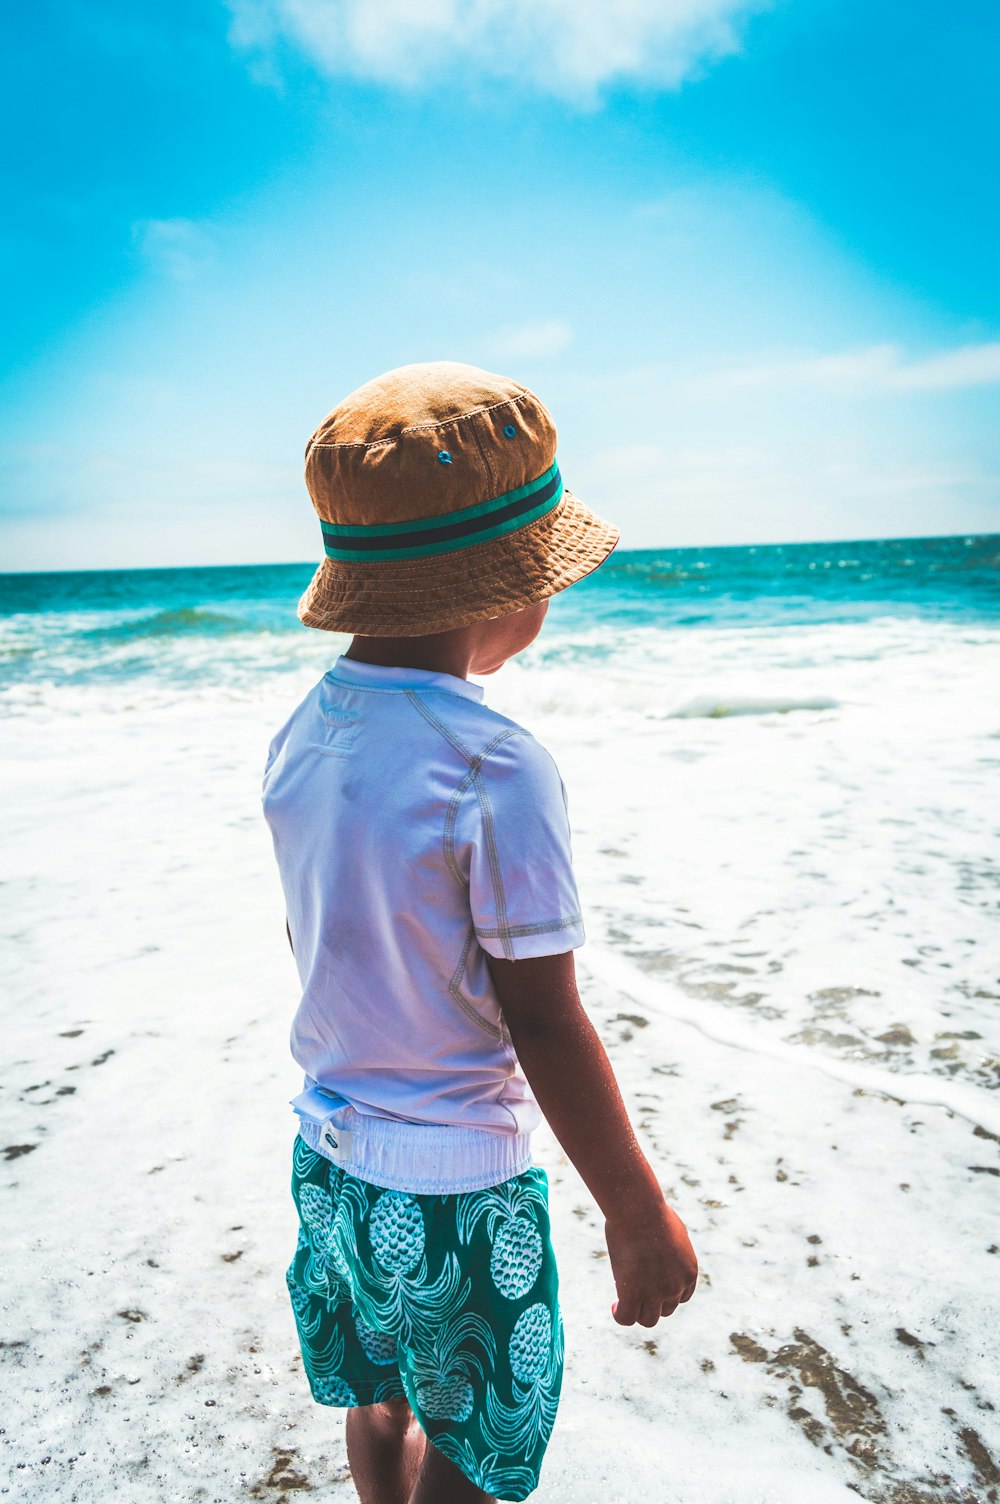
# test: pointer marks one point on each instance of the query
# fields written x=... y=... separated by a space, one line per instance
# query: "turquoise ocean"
x=235 y=623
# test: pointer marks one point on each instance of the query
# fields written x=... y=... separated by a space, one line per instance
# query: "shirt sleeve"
x=513 y=840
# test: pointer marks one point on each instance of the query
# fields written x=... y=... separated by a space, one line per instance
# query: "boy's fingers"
x=645 y=1313
x=625 y=1312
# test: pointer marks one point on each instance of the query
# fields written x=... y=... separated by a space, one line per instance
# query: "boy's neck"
x=480 y=647
x=436 y=653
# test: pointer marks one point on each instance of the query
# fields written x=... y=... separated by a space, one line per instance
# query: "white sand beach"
x=790 y=919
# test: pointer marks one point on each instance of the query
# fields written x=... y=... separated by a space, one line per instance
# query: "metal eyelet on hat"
x=444 y=457
x=509 y=431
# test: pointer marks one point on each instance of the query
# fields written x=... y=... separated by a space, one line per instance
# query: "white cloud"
x=864 y=443
x=877 y=370
x=780 y=490
x=530 y=341
x=571 y=48
x=971 y=365
x=176 y=248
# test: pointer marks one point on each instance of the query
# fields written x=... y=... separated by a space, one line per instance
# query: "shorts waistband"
x=422 y=1158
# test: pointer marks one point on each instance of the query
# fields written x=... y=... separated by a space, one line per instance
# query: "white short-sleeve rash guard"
x=415 y=830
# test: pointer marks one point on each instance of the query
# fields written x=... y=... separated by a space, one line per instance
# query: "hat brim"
x=415 y=597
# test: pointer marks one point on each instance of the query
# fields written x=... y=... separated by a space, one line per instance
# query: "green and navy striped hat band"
x=424 y=536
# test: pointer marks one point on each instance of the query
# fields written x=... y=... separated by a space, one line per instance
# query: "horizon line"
x=687 y=548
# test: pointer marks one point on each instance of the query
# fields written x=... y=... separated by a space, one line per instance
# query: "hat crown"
x=428 y=393
x=424 y=441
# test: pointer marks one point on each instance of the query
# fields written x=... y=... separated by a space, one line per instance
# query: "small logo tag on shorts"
x=336 y=1143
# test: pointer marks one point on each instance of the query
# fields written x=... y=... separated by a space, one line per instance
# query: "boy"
x=424 y=852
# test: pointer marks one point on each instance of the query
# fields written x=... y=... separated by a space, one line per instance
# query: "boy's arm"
x=652 y=1260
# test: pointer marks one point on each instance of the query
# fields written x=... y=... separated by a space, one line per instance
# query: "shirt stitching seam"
x=549 y=925
x=474 y=776
x=451 y=813
x=499 y=897
x=439 y=726
x=450 y=819
x=455 y=989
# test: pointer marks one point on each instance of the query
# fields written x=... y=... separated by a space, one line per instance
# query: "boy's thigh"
x=392 y=1417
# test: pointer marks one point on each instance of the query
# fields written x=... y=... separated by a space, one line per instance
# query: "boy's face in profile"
x=497 y=640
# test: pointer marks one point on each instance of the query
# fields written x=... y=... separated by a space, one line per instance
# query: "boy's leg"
x=441 y=1482
x=385 y=1447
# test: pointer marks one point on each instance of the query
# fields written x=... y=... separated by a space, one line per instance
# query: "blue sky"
x=744 y=252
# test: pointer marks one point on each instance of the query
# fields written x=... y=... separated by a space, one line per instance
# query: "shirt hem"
x=423 y=1159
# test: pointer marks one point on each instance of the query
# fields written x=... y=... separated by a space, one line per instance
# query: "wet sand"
x=842 y=1340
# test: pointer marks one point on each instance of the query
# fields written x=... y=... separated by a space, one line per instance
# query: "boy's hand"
x=653 y=1263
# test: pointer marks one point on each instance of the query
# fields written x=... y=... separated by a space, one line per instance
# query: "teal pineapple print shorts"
x=449 y=1301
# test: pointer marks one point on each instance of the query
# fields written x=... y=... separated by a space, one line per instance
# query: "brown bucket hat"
x=441 y=503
